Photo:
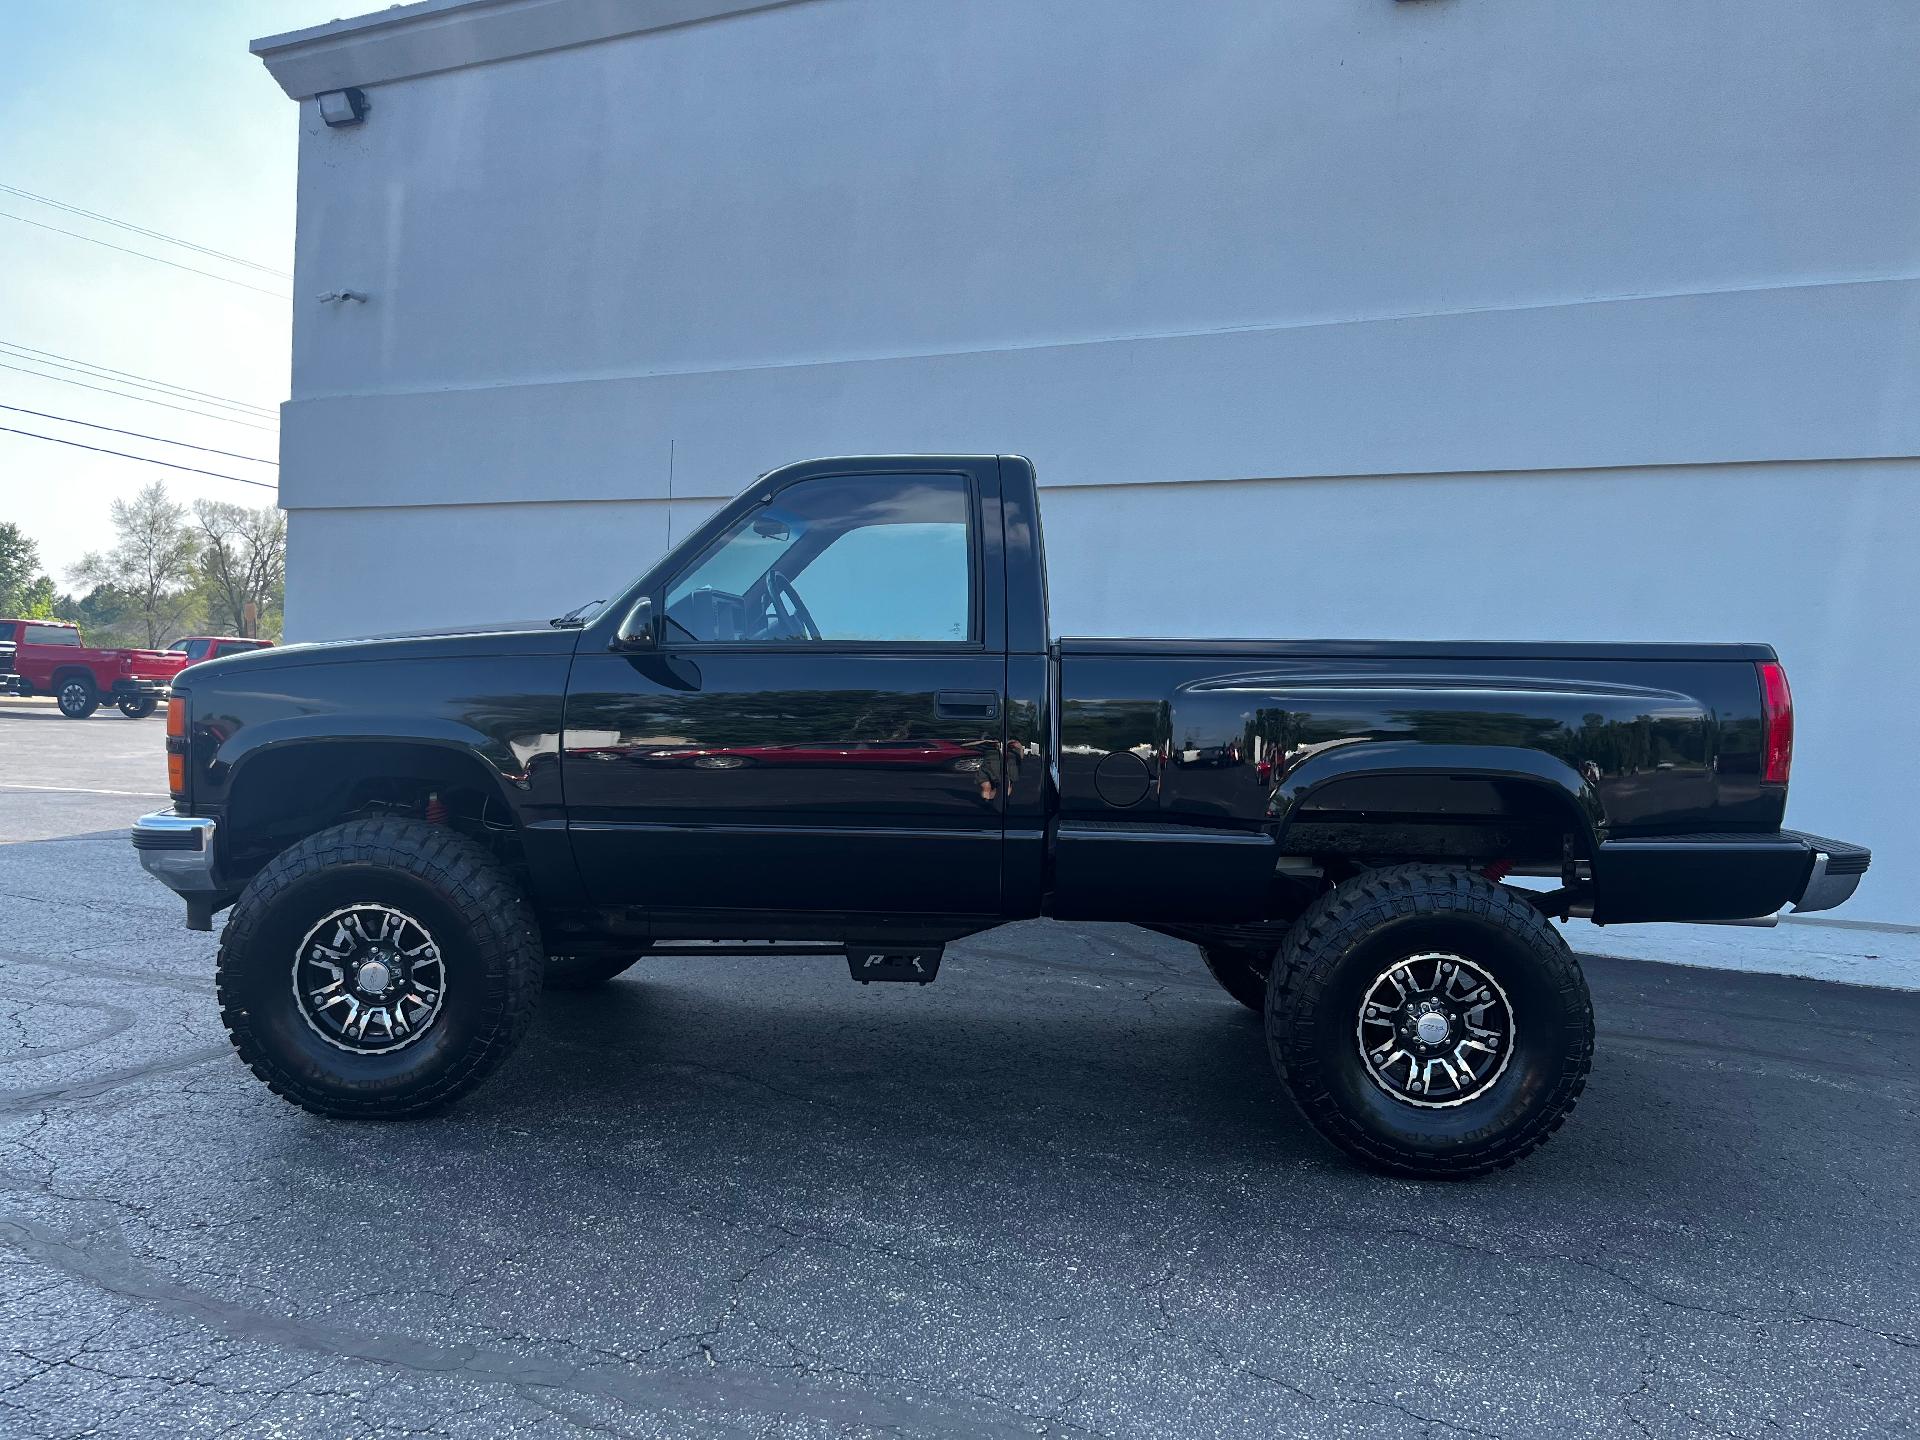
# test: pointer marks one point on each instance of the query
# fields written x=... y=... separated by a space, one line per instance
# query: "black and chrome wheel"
x=1435 y=1029
x=1430 y=1022
x=378 y=969
x=369 y=978
x=137 y=707
x=76 y=697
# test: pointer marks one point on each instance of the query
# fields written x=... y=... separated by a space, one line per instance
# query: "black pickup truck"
x=833 y=721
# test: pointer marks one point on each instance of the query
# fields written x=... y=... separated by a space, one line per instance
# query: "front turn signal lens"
x=177 y=747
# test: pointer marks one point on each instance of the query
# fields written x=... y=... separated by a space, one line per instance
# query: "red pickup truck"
x=50 y=659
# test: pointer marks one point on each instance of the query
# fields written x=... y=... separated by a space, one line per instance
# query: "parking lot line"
x=83 y=790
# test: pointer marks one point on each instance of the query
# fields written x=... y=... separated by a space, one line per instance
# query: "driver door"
x=817 y=728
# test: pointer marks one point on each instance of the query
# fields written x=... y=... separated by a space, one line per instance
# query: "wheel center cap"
x=375 y=977
x=1432 y=1028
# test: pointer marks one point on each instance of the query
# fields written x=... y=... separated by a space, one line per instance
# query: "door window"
x=870 y=558
x=50 y=635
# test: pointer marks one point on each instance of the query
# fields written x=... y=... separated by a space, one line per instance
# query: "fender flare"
x=1537 y=768
x=293 y=732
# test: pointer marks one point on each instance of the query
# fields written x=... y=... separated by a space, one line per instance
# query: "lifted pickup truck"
x=833 y=722
x=51 y=659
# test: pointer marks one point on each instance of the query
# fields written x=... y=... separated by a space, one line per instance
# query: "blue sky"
x=157 y=115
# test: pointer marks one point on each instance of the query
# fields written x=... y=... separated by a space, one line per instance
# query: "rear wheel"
x=76 y=697
x=378 y=969
x=1241 y=973
x=584 y=972
x=1430 y=1022
x=137 y=707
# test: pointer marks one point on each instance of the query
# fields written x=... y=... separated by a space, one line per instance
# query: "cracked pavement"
x=1056 y=1193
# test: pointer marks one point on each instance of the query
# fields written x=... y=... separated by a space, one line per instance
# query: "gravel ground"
x=1056 y=1193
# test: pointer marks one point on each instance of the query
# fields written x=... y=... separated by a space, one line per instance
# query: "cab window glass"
x=50 y=635
x=875 y=559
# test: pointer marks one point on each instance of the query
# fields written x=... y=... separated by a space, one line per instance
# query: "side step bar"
x=867 y=961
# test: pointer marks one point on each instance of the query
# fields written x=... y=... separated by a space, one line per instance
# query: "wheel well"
x=1388 y=818
x=70 y=672
x=282 y=795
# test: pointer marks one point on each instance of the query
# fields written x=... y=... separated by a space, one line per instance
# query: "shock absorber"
x=436 y=809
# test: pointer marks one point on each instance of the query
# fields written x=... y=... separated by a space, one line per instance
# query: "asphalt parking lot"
x=1056 y=1193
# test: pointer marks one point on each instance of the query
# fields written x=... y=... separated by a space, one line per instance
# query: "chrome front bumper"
x=178 y=850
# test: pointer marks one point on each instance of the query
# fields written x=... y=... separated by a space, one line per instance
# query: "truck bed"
x=1420 y=649
x=1542 y=757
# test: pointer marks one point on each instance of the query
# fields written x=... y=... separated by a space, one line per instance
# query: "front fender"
x=503 y=709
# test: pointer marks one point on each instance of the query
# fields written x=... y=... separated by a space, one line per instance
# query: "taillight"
x=177 y=746
x=1776 y=723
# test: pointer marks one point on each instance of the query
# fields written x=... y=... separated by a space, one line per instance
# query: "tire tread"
x=1338 y=921
x=470 y=880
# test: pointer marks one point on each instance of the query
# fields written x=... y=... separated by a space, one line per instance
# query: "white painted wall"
x=1591 y=320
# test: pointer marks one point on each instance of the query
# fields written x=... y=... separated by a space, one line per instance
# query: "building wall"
x=1443 y=319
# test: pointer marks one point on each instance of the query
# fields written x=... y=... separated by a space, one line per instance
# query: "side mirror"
x=636 y=631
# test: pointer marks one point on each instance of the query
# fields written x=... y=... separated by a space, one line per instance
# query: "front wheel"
x=1430 y=1022
x=77 y=698
x=378 y=969
x=137 y=707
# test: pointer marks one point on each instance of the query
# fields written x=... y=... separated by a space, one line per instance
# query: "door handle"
x=966 y=704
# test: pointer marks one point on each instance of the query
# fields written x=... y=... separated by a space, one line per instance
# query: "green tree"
x=103 y=614
x=151 y=562
x=24 y=591
x=242 y=567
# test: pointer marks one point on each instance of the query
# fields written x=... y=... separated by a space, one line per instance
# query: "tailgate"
x=152 y=664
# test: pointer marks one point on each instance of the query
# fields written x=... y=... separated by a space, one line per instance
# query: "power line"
x=143 y=459
x=133 y=375
x=135 y=434
x=157 y=259
x=159 y=386
x=143 y=399
x=142 y=230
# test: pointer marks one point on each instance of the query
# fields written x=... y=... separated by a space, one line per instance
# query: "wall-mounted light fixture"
x=342 y=107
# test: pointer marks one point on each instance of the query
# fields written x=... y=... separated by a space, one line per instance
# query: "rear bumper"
x=1723 y=877
x=158 y=689
x=178 y=851
x=1837 y=868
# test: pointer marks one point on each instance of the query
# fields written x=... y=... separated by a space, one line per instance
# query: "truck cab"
x=845 y=634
